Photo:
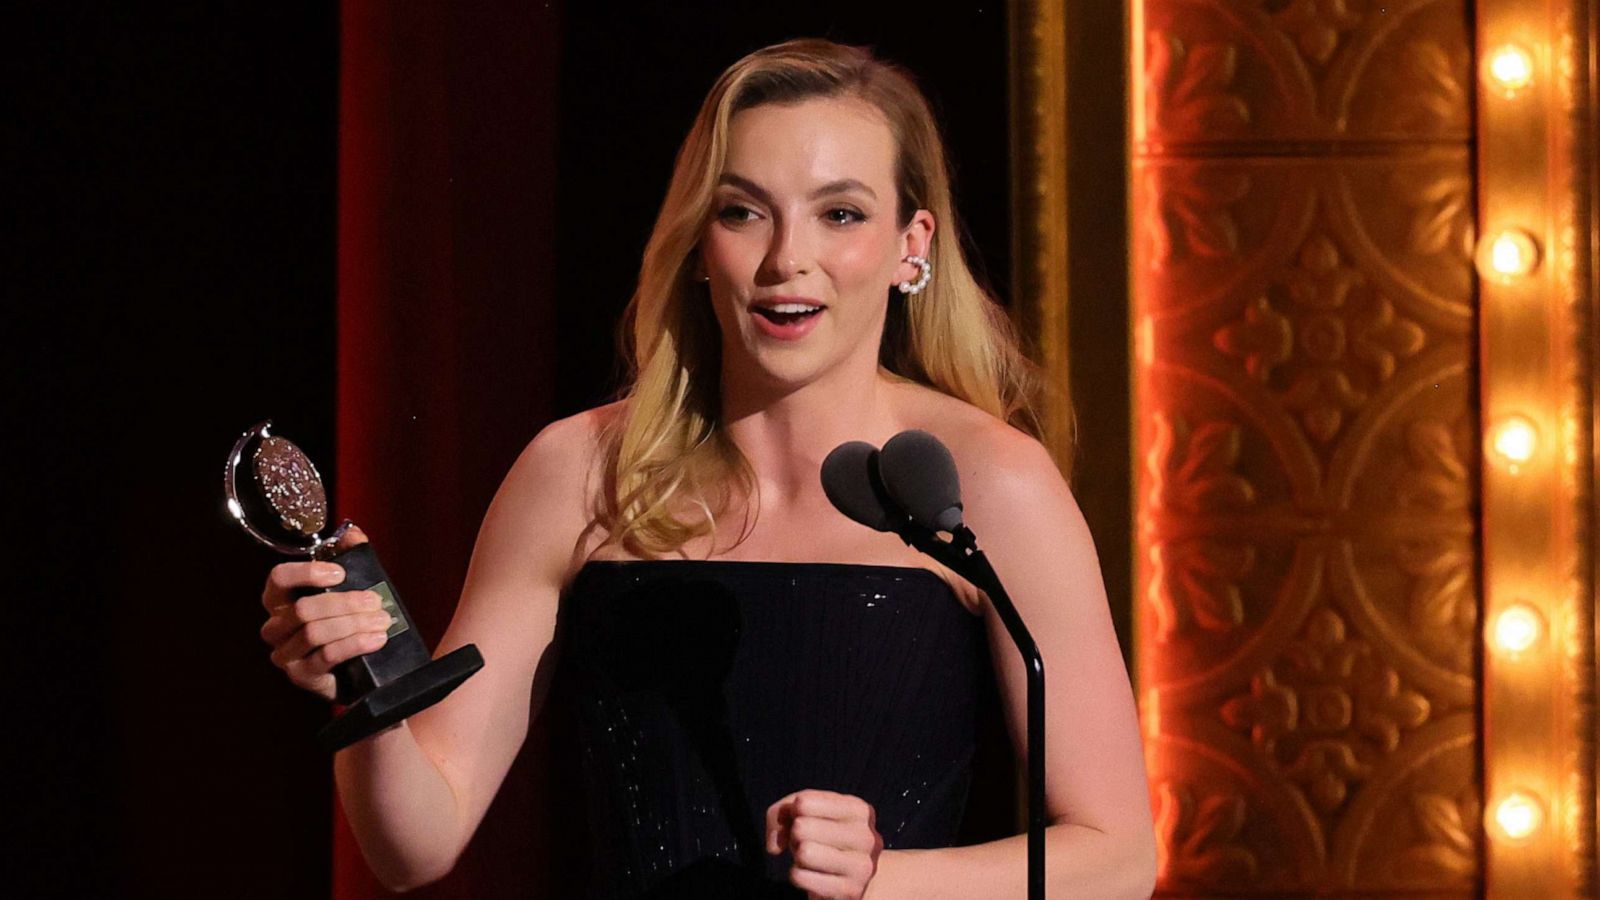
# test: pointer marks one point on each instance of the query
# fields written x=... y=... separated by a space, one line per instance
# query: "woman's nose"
x=784 y=255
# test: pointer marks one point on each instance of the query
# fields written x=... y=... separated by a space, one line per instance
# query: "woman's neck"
x=786 y=434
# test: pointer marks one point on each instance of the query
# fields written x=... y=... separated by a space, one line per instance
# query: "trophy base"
x=409 y=694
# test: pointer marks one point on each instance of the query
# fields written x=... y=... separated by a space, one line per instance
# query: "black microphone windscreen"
x=920 y=475
x=849 y=480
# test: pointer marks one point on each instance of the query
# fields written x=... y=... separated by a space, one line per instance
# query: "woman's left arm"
x=1100 y=842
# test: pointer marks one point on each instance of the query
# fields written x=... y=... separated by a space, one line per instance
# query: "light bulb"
x=1518 y=628
x=1519 y=815
x=1515 y=439
x=1508 y=68
x=1508 y=255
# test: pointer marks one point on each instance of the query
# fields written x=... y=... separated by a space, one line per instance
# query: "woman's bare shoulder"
x=573 y=440
x=552 y=486
x=987 y=449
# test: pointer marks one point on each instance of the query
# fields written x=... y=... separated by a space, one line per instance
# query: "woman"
x=739 y=651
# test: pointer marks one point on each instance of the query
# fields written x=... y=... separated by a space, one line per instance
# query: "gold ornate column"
x=1307 y=442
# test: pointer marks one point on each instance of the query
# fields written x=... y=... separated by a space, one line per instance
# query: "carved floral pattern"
x=1340 y=117
x=1442 y=606
x=1334 y=338
x=1195 y=581
x=1187 y=89
x=1188 y=213
x=1199 y=841
x=1316 y=26
x=1263 y=339
x=1449 y=830
x=1441 y=212
x=1435 y=99
x=1326 y=710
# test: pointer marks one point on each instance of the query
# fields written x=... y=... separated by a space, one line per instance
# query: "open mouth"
x=786 y=314
x=786 y=320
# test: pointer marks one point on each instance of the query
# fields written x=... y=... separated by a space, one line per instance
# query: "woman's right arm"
x=415 y=794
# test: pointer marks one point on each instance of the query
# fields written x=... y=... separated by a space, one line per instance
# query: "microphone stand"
x=962 y=555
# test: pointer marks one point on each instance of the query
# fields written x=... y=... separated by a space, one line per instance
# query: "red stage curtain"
x=446 y=334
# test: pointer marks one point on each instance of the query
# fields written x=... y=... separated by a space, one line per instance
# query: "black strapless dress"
x=704 y=691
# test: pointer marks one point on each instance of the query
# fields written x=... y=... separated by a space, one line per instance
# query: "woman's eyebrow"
x=833 y=187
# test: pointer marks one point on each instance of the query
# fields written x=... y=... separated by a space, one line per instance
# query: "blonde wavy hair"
x=669 y=466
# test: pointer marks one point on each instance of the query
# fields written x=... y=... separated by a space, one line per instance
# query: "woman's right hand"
x=312 y=634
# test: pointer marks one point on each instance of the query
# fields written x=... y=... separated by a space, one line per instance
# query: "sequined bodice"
x=703 y=691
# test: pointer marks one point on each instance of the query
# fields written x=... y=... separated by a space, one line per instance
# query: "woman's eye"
x=844 y=216
x=733 y=212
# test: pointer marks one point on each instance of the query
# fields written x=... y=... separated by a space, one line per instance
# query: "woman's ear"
x=915 y=240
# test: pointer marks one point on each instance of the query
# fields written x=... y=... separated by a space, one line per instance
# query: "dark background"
x=170 y=272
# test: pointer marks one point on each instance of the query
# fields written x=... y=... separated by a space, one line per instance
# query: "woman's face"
x=803 y=245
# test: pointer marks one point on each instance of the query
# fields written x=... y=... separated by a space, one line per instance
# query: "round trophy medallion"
x=279 y=500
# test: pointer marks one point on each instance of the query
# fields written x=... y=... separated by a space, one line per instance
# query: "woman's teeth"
x=784 y=313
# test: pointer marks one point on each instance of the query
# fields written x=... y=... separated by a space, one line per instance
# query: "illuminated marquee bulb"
x=1519 y=815
x=1509 y=68
x=1515 y=439
x=1518 y=628
x=1508 y=255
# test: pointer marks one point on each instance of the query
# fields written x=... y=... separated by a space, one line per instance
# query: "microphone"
x=911 y=481
x=850 y=479
x=912 y=488
x=920 y=475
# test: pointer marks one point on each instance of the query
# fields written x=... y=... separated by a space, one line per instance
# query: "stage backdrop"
x=446 y=332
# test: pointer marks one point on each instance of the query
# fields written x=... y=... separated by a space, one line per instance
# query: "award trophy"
x=281 y=503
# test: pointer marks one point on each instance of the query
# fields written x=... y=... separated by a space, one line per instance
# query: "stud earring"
x=908 y=288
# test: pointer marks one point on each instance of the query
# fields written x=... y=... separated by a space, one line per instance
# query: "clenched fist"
x=834 y=841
